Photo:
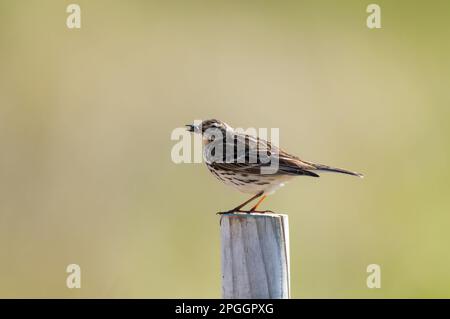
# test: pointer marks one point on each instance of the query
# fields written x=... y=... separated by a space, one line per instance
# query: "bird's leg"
x=238 y=208
x=253 y=209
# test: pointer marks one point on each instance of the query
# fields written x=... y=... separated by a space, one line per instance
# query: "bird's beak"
x=191 y=128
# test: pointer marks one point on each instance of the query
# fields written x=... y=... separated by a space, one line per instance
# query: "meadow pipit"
x=239 y=160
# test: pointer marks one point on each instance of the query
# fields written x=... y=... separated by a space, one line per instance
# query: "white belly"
x=252 y=184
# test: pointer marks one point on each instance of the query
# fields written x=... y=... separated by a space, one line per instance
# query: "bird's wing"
x=292 y=165
x=248 y=154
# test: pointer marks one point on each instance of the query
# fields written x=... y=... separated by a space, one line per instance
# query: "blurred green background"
x=86 y=116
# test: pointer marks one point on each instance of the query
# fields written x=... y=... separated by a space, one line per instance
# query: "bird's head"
x=209 y=128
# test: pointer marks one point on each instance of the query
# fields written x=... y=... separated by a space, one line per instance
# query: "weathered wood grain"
x=255 y=256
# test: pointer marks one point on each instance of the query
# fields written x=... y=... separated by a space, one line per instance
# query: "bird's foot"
x=261 y=211
x=233 y=211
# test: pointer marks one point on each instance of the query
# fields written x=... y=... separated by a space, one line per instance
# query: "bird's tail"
x=325 y=168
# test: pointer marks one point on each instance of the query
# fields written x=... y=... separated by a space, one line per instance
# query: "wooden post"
x=255 y=256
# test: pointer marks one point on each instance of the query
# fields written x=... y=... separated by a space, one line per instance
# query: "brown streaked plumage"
x=242 y=161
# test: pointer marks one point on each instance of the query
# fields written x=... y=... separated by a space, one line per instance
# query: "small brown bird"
x=250 y=164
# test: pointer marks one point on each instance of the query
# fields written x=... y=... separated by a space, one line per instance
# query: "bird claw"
x=245 y=211
x=232 y=211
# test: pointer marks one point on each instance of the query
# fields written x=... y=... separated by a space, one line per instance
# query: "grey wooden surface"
x=255 y=256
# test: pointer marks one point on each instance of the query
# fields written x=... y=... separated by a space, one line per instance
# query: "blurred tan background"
x=86 y=115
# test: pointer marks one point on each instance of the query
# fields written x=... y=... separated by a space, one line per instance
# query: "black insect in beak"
x=191 y=128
